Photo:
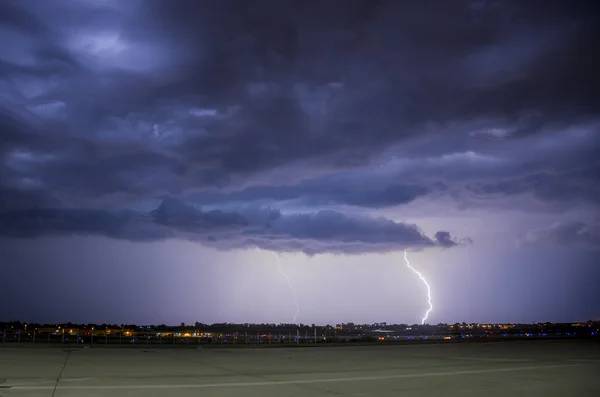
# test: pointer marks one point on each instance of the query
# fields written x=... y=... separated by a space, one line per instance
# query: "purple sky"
x=152 y=153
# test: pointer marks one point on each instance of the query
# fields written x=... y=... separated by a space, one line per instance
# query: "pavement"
x=549 y=368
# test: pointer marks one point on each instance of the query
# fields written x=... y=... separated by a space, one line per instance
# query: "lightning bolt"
x=289 y=282
x=424 y=282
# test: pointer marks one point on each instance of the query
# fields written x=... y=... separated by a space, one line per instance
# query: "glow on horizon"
x=426 y=284
x=289 y=282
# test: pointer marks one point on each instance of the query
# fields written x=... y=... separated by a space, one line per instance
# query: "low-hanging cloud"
x=330 y=190
x=311 y=233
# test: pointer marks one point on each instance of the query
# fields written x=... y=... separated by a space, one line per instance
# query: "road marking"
x=293 y=382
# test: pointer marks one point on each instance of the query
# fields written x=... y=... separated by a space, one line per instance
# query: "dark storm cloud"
x=175 y=213
x=575 y=186
x=328 y=190
x=555 y=174
x=386 y=68
x=311 y=233
x=120 y=102
x=444 y=239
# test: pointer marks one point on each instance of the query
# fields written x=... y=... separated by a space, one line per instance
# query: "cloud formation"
x=310 y=233
x=111 y=105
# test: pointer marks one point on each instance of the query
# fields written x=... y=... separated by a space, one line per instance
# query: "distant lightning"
x=426 y=284
x=289 y=282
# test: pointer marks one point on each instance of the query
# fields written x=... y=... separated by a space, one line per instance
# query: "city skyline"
x=199 y=325
x=154 y=155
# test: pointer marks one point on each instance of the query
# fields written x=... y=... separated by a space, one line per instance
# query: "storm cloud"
x=310 y=233
x=112 y=105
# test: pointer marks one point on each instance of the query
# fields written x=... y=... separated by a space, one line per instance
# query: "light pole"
x=92 y=336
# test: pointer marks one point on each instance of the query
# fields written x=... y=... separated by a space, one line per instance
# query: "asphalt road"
x=552 y=368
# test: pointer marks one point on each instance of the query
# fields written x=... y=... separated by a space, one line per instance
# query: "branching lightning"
x=426 y=284
x=289 y=282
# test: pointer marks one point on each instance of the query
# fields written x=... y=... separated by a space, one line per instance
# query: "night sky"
x=152 y=153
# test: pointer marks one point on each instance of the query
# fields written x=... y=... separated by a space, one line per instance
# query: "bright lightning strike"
x=426 y=284
x=289 y=282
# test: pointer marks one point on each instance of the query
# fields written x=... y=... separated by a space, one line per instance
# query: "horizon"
x=300 y=325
